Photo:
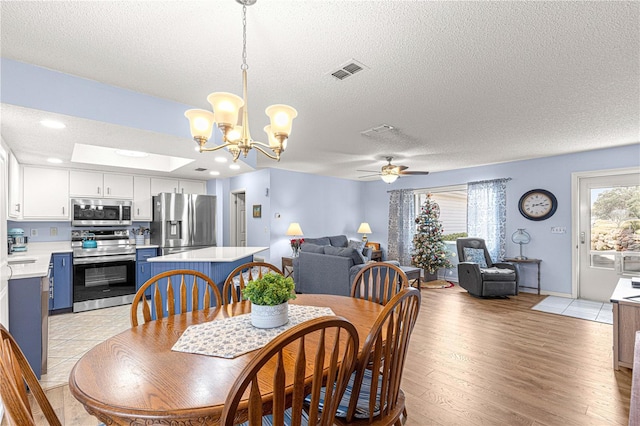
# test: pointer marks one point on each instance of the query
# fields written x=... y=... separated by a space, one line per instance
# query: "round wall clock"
x=538 y=204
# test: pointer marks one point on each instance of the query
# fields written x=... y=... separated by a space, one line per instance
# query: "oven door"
x=100 y=282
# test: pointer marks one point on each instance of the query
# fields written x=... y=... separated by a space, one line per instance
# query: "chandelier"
x=226 y=106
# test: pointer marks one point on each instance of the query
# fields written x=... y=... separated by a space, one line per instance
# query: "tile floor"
x=577 y=308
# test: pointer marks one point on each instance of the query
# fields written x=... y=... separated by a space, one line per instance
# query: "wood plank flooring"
x=493 y=362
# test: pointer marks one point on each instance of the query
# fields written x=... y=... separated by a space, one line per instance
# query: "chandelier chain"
x=244 y=65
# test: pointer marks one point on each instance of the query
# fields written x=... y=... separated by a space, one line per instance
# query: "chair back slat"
x=378 y=282
x=384 y=353
x=238 y=278
x=15 y=376
x=194 y=285
x=286 y=361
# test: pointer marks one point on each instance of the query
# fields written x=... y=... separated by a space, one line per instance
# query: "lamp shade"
x=521 y=237
x=201 y=123
x=364 y=228
x=225 y=108
x=389 y=178
x=273 y=142
x=294 y=229
x=281 y=117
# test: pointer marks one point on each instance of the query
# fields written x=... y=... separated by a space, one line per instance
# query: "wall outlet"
x=558 y=230
x=34 y=232
x=53 y=231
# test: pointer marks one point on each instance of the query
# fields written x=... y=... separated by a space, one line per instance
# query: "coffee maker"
x=17 y=240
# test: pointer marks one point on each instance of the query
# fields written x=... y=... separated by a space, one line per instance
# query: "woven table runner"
x=235 y=336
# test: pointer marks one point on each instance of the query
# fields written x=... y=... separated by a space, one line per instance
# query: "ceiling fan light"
x=200 y=122
x=225 y=108
x=389 y=178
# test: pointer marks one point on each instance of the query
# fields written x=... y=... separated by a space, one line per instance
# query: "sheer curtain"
x=401 y=225
x=487 y=214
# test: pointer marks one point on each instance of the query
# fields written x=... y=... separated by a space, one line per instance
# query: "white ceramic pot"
x=269 y=316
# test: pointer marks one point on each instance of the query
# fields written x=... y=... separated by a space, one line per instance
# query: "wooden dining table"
x=134 y=378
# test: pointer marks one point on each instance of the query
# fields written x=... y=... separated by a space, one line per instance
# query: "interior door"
x=608 y=233
x=241 y=220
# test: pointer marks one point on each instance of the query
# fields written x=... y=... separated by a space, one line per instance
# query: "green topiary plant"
x=270 y=290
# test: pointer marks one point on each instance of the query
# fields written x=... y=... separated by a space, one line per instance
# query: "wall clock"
x=538 y=204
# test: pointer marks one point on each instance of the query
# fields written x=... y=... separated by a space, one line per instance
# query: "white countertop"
x=210 y=254
x=40 y=253
x=145 y=246
x=624 y=290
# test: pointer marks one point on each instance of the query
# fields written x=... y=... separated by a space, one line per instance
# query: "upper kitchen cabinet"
x=14 y=208
x=100 y=185
x=141 y=198
x=159 y=185
x=45 y=193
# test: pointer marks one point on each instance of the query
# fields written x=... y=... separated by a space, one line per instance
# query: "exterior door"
x=608 y=233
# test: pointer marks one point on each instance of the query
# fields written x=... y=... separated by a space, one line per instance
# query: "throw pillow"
x=338 y=241
x=312 y=248
x=475 y=255
x=358 y=246
x=344 y=252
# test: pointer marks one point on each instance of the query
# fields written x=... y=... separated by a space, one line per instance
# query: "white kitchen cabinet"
x=14 y=207
x=142 y=198
x=100 y=185
x=159 y=185
x=192 y=187
x=45 y=193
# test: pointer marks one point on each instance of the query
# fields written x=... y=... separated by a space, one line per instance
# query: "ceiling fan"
x=390 y=172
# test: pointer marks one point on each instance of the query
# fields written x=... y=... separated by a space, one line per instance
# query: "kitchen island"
x=215 y=262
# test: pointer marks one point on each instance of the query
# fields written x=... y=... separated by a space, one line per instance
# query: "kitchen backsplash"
x=55 y=231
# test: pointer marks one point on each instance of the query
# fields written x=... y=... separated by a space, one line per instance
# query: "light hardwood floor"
x=494 y=362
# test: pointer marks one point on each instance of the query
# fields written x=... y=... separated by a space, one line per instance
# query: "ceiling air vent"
x=200 y=169
x=348 y=69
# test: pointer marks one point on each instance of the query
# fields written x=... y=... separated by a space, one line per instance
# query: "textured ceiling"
x=463 y=83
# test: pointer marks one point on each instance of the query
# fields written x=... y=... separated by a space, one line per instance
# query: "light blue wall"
x=551 y=173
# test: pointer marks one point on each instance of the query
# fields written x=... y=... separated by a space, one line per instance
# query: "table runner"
x=235 y=336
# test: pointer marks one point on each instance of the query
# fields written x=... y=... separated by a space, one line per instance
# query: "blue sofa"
x=328 y=265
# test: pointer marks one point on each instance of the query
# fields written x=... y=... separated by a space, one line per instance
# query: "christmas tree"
x=429 y=251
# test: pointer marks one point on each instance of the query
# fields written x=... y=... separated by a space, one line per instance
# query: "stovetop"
x=110 y=242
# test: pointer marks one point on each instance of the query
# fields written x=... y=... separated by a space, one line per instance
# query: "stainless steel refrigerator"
x=183 y=222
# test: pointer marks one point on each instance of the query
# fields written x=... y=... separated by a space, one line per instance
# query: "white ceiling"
x=463 y=83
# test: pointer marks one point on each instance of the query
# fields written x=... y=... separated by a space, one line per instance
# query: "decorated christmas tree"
x=429 y=251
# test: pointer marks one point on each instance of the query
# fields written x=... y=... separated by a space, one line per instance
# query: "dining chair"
x=237 y=279
x=373 y=396
x=299 y=362
x=15 y=371
x=196 y=291
x=378 y=282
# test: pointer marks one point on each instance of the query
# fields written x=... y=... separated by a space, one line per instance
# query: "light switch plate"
x=558 y=230
x=34 y=232
x=53 y=231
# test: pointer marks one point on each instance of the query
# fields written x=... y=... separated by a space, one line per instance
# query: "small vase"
x=269 y=316
x=295 y=251
x=139 y=240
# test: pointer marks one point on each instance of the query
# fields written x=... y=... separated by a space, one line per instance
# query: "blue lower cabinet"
x=61 y=282
x=28 y=319
x=143 y=269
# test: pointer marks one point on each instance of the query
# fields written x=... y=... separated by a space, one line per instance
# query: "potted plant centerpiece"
x=269 y=298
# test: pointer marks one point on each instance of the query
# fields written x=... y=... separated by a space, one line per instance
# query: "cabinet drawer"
x=144 y=254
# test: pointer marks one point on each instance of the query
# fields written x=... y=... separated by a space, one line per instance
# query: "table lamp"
x=295 y=230
x=364 y=229
x=521 y=237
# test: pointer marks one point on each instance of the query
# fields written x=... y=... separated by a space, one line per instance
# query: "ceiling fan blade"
x=366 y=176
x=369 y=171
x=414 y=173
x=401 y=168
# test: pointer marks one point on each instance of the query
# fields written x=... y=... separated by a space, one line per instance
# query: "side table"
x=519 y=261
x=376 y=255
x=287 y=266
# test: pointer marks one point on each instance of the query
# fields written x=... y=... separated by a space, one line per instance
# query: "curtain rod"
x=490 y=180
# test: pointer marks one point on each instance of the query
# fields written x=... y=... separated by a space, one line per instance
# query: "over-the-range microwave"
x=100 y=212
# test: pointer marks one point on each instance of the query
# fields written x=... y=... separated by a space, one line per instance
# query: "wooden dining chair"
x=379 y=282
x=299 y=362
x=15 y=372
x=373 y=396
x=239 y=277
x=196 y=291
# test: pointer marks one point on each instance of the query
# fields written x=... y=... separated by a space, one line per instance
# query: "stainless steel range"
x=104 y=268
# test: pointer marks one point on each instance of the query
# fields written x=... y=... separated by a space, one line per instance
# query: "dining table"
x=135 y=378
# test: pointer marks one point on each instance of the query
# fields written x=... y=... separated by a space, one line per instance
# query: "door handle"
x=582 y=237
x=64 y=263
x=18 y=207
x=63 y=210
x=98 y=190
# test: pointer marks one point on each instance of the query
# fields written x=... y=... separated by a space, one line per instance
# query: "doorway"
x=607 y=232
x=238 y=219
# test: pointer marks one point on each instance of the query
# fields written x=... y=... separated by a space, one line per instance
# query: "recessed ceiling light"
x=234 y=166
x=53 y=124
x=221 y=159
x=214 y=173
x=128 y=153
x=54 y=160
